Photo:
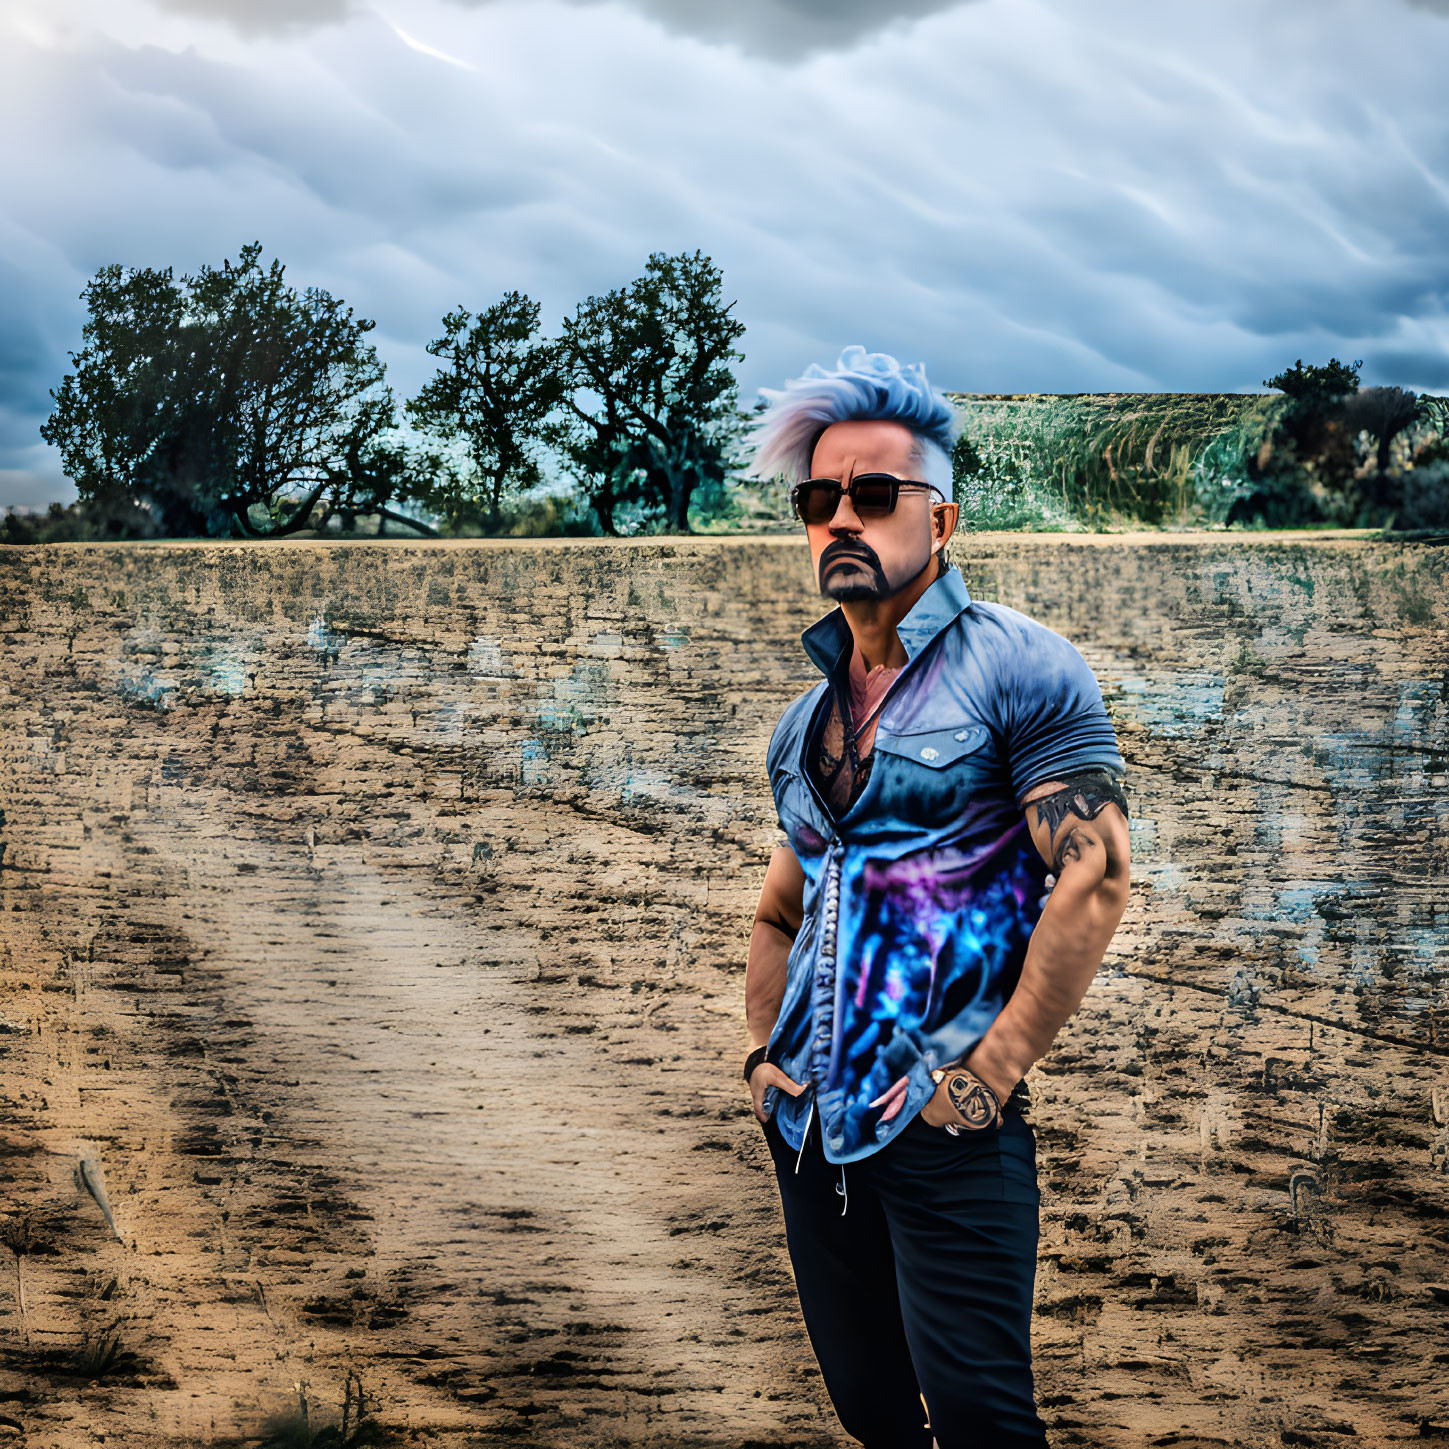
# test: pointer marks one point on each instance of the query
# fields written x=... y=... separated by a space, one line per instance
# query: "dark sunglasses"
x=872 y=495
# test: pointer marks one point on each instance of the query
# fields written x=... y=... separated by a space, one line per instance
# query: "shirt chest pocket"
x=937 y=749
x=931 y=776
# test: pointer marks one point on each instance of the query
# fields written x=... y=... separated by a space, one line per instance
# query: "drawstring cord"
x=804 y=1138
x=806 y=1135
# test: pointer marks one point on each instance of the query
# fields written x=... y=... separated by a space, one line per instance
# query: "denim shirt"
x=919 y=901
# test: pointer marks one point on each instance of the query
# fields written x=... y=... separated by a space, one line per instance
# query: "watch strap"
x=760 y=1054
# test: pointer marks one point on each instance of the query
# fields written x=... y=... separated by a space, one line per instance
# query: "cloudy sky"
x=1028 y=195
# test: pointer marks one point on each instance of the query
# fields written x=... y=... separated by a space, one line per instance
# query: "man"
x=957 y=862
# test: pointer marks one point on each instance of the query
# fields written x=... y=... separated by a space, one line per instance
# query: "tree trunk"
x=681 y=489
x=386 y=513
x=242 y=526
x=602 y=501
x=495 y=503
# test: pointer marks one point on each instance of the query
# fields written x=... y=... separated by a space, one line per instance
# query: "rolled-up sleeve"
x=1055 y=718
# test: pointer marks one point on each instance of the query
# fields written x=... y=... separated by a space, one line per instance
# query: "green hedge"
x=1095 y=460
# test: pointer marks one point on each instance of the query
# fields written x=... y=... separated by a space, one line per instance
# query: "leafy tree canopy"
x=215 y=400
x=1317 y=386
x=652 y=405
x=500 y=381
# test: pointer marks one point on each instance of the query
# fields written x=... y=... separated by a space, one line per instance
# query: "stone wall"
x=372 y=931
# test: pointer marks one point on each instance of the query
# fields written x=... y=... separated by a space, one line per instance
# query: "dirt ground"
x=372 y=933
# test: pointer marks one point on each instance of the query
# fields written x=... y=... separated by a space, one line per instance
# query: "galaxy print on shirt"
x=942 y=939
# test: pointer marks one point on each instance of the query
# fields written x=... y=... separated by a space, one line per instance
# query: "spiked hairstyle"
x=865 y=386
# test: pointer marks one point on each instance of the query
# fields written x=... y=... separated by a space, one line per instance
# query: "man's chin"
x=852 y=578
x=854 y=590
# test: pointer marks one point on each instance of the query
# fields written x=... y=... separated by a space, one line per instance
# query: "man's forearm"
x=765 y=977
x=1066 y=948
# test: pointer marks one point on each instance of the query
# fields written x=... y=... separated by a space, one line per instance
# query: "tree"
x=501 y=382
x=296 y=383
x=444 y=482
x=1384 y=412
x=604 y=457
x=376 y=467
x=217 y=398
x=1317 y=387
x=1304 y=472
x=659 y=416
x=128 y=422
x=966 y=463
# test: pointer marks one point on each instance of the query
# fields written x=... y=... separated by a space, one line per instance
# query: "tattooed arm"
x=1079 y=826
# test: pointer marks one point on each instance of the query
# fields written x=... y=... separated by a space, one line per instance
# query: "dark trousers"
x=922 y=1287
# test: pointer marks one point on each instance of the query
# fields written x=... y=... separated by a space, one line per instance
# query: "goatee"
x=862 y=559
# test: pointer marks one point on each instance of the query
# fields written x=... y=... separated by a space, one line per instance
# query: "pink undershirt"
x=866 y=689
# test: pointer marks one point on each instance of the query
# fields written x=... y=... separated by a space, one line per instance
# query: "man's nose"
x=846 y=516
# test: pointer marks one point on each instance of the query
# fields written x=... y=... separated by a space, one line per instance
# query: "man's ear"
x=947 y=521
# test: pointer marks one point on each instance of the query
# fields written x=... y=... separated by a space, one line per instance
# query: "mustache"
x=846 y=548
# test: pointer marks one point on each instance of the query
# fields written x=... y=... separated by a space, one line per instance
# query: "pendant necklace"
x=852 y=734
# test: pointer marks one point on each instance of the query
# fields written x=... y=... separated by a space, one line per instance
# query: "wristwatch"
x=971 y=1097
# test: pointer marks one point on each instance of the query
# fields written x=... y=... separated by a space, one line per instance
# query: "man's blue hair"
x=864 y=387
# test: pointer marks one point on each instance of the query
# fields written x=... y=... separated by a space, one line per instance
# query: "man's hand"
x=939 y=1108
x=894 y=1098
x=767 y=1074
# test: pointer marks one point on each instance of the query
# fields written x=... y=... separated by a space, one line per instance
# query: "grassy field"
x=1108 y=459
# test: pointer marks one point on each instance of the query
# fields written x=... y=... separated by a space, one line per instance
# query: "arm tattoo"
x=971 y=1098
x=1083 y=794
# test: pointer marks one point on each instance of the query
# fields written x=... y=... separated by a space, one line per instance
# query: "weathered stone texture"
x=373 y=920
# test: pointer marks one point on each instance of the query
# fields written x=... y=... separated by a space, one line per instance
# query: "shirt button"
x=961 y=734
x=929 y=754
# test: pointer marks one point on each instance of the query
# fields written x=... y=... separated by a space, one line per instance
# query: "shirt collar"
x=829 y=635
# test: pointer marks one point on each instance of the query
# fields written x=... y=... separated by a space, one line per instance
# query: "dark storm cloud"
x=1024 y=195
x=263 y=17
x=188 y=113
x=1129 y=241
x=36 y=321
x=786 y=29
x=781 y=29
x=1430 y=369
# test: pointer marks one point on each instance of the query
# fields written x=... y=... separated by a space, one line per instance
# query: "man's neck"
x=873 y=621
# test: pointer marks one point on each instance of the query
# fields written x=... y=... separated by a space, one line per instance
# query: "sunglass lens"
x=817 y=502
x=872 y=496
